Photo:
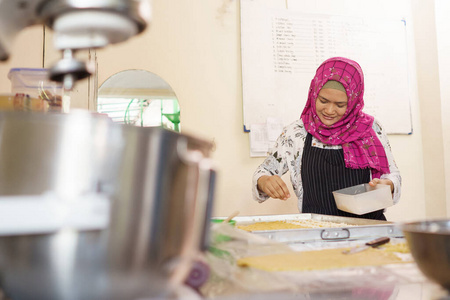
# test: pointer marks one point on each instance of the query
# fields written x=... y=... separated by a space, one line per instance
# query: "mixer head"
x=77 y=24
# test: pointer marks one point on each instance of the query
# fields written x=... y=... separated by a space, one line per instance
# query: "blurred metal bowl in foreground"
x=429 y=242
x=154 y=187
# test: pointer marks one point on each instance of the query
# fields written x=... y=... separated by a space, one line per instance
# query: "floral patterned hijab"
x=362 y=148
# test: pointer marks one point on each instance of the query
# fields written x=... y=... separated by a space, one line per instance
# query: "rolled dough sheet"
x=293 y=224
x=320 y=260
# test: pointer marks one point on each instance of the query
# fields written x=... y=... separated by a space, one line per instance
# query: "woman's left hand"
x=376 y=181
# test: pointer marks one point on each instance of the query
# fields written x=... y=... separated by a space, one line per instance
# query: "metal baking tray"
x=361 y=229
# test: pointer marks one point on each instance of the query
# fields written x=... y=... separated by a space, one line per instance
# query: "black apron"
x=323 y=171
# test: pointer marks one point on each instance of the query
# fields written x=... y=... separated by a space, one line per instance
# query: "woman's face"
x=331 y=105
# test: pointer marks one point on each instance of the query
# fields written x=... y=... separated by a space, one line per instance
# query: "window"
x=139 y=98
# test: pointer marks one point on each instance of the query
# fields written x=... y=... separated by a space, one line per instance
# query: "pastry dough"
x=294 y=224
x=319 y=260
x=397 y=247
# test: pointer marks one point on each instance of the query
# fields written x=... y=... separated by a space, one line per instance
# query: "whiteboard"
x=282 y=48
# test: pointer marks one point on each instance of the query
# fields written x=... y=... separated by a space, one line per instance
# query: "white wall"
x=443 y=47
x=430 y=103
x=27 y=51
x=195 y=47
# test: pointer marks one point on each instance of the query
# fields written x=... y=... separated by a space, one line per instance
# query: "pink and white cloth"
x=354 y=132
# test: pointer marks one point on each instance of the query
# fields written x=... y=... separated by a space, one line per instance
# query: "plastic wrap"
x=228 y=244
x=226 y=278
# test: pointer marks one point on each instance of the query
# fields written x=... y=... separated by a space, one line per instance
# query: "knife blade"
x=372 y=244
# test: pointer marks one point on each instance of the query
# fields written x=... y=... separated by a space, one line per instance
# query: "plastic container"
x=22 y=102
x=34 y=82
x=363 y=198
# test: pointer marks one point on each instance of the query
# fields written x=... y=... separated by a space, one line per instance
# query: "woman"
x=334 y=145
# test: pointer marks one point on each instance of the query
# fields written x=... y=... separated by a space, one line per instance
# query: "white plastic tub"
x=363 y=198
x=35 y=83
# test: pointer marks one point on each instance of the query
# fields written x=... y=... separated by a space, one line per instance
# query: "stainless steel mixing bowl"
x=161 y=186
x=429 y=242
x=67 y=154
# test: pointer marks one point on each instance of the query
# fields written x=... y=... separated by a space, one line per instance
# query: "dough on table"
x=290 y=224
x=320 y=260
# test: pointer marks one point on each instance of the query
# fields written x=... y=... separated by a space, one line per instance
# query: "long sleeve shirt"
x=286 y=156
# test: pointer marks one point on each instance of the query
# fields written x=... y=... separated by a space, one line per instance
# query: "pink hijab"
x=362 y=148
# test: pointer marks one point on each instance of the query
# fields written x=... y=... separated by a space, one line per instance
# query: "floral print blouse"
x=286 y=156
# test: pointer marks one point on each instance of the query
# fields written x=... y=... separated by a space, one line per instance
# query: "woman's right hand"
x=274 y=187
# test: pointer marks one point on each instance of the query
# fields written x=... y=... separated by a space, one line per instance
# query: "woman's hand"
x=274 y=187
x=376 y=181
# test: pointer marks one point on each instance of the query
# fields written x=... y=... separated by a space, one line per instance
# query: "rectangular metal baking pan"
x=362 y=229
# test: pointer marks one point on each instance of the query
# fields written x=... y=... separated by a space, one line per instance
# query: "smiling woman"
x=334 y=145
x=331 y=103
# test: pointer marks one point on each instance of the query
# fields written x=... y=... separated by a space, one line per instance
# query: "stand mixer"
x=77 y=24
x=91 y=209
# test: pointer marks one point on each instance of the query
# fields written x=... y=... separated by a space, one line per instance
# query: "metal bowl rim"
x=424 y=226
